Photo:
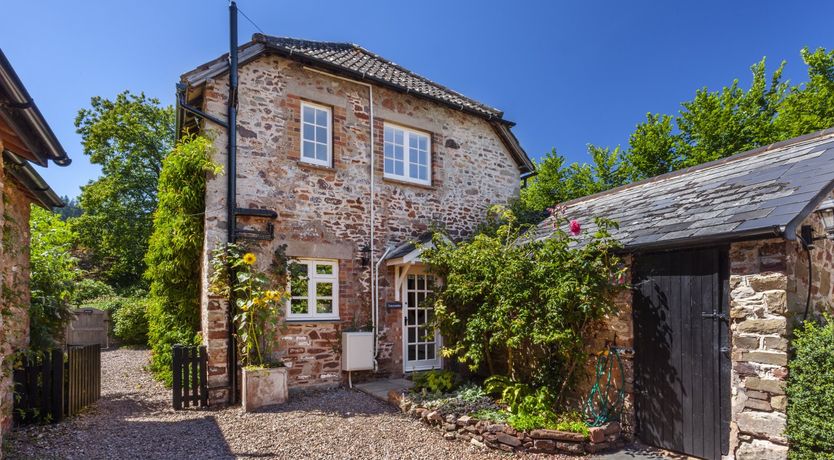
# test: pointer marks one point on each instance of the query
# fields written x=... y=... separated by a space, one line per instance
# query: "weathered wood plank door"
x=682 y=363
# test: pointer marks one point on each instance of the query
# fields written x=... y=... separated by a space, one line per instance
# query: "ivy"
x=175 y=249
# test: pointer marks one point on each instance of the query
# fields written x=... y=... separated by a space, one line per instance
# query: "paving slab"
x=380 y=388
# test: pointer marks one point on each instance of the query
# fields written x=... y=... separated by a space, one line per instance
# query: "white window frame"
x=315 y=161
x=407 y=133
x=313 y=279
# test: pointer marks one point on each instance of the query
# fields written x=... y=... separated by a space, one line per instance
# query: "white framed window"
x=407 y=155
x=316 y=145
x=314 y=289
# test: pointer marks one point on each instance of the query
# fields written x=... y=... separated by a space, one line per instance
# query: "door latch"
x=714 y=315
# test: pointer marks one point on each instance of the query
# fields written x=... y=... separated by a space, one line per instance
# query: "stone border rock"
x=501 y=436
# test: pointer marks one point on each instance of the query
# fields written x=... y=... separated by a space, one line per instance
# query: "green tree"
x=810 y=107
x=54 y=272
x=71 y=208
x=128 y=137
x=717 y=124
x=713 y=125
x=175 y=249
x=558 y=181
x=653 y=148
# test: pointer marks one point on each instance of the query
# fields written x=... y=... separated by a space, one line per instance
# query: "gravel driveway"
x=134 y=419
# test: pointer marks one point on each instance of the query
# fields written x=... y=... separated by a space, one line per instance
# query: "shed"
x=720 y=275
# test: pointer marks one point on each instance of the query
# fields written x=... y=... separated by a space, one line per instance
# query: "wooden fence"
x=190 y=382
x=49 y=387
x=83 y=377
x=39 y=388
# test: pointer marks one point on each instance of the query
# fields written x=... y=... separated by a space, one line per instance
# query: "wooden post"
x=203 y=377
x=177 y=374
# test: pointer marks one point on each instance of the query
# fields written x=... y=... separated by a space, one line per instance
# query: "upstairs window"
x=407 y=155
x=314 y=290
x=315 y=134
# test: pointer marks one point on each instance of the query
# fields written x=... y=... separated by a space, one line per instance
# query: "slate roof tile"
x=763 y=191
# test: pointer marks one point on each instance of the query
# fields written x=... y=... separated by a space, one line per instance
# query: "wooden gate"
x=48 y=388
x=682 y=362
x=190 y=382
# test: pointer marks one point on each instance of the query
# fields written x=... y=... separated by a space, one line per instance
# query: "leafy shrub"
x=130 y=322
x=88 y=289
x=434 y=381
x=470 y=393
x=174 y=251
x=491 y=415
x=810 y=391
x=54 y=272
x=524 y=310
x=549 y=420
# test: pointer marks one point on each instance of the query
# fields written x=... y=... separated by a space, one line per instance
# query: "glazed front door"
x=421 y=343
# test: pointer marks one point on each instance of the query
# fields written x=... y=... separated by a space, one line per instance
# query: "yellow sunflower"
x=249 y=258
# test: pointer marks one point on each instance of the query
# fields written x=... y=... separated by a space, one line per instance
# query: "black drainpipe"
x=231 y=197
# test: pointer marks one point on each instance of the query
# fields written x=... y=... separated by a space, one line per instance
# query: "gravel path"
x=134 y=419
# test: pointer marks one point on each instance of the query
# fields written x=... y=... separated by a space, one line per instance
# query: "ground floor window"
x=314 y=290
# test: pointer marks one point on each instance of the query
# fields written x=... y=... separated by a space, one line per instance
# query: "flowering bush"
x=522 y=308
x=259 y=298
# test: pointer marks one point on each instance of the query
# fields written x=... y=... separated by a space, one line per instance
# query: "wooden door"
x=682 y=362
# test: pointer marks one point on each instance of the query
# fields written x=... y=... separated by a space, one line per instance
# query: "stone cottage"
x=25 y=139
x=345 y=158
x=719 y=255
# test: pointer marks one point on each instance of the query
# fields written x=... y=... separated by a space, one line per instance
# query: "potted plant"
x=259 y=300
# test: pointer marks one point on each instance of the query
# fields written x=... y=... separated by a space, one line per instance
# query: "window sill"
x=391 y=180
x=304 y=164
x=313 y=320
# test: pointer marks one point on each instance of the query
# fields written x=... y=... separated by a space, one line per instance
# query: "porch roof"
x=408 y=252
x=763 y=192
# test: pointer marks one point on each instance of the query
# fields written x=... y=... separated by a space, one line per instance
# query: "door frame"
x=417 y=269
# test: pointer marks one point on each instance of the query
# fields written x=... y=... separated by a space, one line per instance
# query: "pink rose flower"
x=575 y=227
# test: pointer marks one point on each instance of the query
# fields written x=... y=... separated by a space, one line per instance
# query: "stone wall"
x=616 y=331
x=14 y=296
x=759 y=326
x=324 y=212
x=822 y=275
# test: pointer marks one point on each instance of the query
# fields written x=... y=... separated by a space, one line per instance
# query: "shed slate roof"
x=766 y=191
x=356 y=62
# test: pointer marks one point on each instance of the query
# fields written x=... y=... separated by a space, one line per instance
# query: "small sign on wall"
x=393 y=304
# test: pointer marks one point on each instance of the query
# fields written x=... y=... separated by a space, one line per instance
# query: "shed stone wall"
x=759 y=314
x=324 y=212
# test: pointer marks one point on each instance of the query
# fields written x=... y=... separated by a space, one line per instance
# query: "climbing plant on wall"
x=175 y=250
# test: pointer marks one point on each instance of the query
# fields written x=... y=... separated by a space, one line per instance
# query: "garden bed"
x=500 y=435
x=446 y=414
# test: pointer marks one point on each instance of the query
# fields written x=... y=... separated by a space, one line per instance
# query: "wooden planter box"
x=264 y=387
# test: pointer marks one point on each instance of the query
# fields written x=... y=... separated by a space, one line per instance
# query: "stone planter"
x=264 y=387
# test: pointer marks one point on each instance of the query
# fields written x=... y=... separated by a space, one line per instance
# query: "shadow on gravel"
x=194 y=438
x=130 y=403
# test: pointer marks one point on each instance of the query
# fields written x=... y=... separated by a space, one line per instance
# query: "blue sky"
x=569 y=73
